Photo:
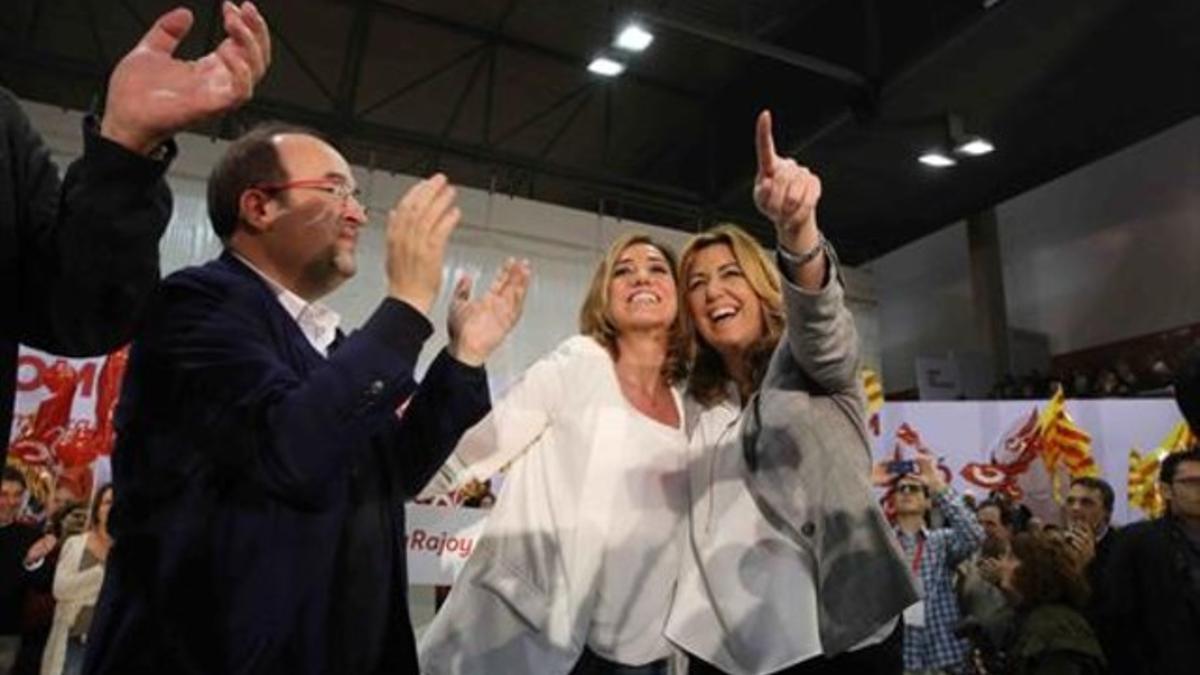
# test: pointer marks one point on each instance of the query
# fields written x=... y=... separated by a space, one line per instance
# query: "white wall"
x=1104 y=253
x=562 y=244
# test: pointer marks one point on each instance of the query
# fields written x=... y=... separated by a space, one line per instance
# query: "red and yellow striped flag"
x=1064 y=443
x=1143 y=485
x=873 y=389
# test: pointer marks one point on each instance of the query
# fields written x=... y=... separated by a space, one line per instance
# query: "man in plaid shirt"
x=929 y=642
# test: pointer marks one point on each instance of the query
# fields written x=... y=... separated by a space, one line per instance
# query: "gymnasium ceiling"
x=496 y=93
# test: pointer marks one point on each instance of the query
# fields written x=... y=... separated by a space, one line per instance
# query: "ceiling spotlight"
x=936 y=159
x=975 y=147
x=602 y=65
x=634 y=38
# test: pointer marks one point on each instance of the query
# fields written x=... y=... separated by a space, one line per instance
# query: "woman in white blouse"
x=575 y=569
x=77 y=581
x=790 y=566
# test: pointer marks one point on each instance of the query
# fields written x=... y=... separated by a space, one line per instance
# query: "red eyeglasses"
x=341 y=191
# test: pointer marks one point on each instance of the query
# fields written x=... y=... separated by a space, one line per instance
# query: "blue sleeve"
x=451 y=399
x=965 y=534
x=290 y=433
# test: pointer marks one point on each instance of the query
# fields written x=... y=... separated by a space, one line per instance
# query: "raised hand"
x=417 y=231
x=478 y=326
x=152 y=94
x=928 y=472
x=40 y=549
x=785 y=192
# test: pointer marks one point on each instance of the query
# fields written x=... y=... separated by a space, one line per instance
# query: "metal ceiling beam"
x=395 y=137
x=542 y=114
x=608 y=185
x=753 y=45
x=480 y=62
x=358 y=38
x=516 y=44
x=387 y=136
x=432 y=74
x=281 y=37
x=566 y=124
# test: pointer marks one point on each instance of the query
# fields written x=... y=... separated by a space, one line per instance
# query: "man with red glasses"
x=261 y=466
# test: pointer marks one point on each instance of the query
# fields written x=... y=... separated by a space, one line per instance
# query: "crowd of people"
x=689 y=480
x=1120 y=380
x=1008 y=593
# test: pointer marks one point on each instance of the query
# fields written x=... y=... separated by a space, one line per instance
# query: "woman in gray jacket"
x=790 y=565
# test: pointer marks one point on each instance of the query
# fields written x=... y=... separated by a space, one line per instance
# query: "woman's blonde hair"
x=596 y=321
x=709 y=377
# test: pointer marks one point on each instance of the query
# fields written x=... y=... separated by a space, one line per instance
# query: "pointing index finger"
x=764 y=143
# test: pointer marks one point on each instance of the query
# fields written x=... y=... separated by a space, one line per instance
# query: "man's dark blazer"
x=260 y=487
x=1150 y=591
x=78 y=259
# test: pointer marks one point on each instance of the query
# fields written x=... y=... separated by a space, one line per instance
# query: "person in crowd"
x=1152 y=581
x=985 y=612
x=789 y=565
x=1089 y=506
x=1049 y=591
x=67 y=518
x=987 y=615
x=261 y=464
x=77 y=579
x=930 y=643
x=23 y=551
x=575 y=569
x=81 y=255
x=997 y=520
x=1088 y=510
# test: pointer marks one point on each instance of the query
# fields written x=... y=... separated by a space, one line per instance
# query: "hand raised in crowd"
x=418 y=229
x=152 y=94
x=478 y=326
x=1080 y=543
x=991 y=569
x=40 y=549
x=929 y=474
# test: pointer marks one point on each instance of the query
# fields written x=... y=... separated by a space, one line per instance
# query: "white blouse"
x=583 y=545
x=642 y=549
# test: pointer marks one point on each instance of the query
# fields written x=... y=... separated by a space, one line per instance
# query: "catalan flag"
x=1143 y=486
x=873 y=388
x=1064 y=444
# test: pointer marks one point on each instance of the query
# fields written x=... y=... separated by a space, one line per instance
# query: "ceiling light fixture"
x=602 y=65
x=936 y=159
x=634 y=38
x=974 y=147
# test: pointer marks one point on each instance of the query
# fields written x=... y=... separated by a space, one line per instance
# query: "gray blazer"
x=800 y=450
x=809 y=467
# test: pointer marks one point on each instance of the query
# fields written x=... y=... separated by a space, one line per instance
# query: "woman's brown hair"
x=1048 y=573
x=709 y=377
x=596 y=322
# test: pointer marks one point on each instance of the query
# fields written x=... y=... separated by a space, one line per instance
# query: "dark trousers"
x=885 y=658
x=590 y=663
